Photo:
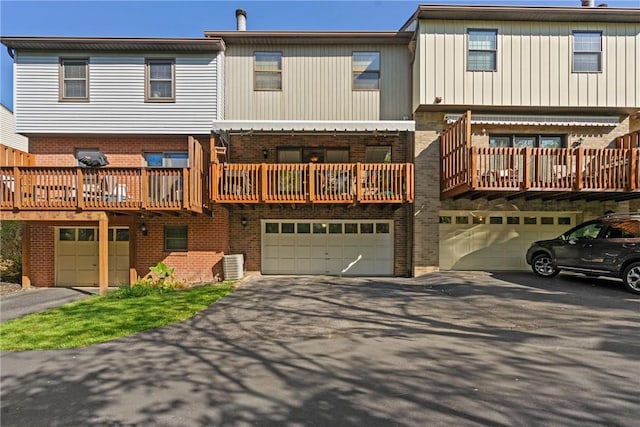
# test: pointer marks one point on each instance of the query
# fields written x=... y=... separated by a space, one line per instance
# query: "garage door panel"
x=287 y=252
x=331 y=252
x=497 y=246
x=77 y=260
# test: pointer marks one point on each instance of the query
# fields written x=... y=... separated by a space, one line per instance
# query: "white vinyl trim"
x=316 y=125
x=533 y=120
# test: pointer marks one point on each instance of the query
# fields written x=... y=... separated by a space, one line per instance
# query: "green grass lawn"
x=100 y=319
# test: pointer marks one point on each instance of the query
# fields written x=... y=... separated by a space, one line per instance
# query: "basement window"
x=175 y=238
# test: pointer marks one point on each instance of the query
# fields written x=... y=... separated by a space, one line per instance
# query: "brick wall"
x=588 y=137
x=122 y=151
x=427 y=189
x=248 y=148
x=42 y=255
x=207 y=240
x=247 y=240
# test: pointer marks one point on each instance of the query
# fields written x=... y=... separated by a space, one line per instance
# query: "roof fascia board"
x=114 y=43
x=529 y=13
x=311 y=37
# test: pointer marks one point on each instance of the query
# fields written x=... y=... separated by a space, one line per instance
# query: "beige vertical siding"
x=534 y=65
x=316 y=84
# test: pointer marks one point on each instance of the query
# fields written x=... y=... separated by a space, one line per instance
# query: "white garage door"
x=77 y=256
x=327 y=247
x=495 y=240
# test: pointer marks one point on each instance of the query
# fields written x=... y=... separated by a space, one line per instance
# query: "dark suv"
x=607 y=246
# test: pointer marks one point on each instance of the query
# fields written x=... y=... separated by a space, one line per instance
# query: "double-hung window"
x=267 y=71
x=160 y=80
x=74 y=79
x=587 y=51
x=482 y=50
x=366 y=70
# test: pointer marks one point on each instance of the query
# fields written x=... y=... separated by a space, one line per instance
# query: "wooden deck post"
x=312 y=179
x=633 y=171
x=103 y=255
x=17 y=188
x=526 y=179
x=263 y=181
x=26 y=251
x=358 y=182
x=133 y=242
x=473 y=166
x=579 y=163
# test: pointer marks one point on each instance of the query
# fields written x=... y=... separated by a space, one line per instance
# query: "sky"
x=170 y=18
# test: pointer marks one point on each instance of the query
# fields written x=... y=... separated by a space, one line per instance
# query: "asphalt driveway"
x=445 y=349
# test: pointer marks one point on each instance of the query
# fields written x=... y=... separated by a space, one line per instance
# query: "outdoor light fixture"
x=143 y=228
x=265 y=153
x=243 y=221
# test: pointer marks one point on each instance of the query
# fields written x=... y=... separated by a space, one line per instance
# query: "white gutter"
x=315 y=125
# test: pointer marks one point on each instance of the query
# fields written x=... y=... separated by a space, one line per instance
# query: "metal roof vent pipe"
x=241 y=20
x=585 y=3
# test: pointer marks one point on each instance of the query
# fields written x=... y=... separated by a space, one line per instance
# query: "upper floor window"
x=160 y=80
x=587 y=52
x=521 y=141
x=313 y=155
x=74 y=79
x=377 y=154
x=482 y=49
x=267 y=71
x=167 y=159
x=366 y=70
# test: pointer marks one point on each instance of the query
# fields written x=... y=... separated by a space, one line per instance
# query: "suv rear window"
x=623 y=230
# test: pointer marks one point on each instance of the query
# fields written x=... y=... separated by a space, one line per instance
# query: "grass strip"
x=100 y=319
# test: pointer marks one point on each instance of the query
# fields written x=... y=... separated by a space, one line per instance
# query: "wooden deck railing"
x=312 y=183
x=10 y=156
x=630 y=140
x=112 y=188
x=548 y=169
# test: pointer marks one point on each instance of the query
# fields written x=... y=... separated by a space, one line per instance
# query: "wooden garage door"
x=77 y=256
x=327 y=247
x=495 y=240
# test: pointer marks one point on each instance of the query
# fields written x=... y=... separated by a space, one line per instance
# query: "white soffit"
x=550 y=120
x=315 y=125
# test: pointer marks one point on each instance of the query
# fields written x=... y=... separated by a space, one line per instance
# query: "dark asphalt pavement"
x=446 y=349
x=36 y=300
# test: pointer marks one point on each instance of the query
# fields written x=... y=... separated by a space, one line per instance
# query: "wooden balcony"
x=551 y=173
x=312 y=183
x=100 y=189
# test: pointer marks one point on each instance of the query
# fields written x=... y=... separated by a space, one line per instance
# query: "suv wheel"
x=631 y=277
x=543 y=266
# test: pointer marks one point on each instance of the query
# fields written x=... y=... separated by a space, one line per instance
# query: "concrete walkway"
x=463 y=349
x=36 y=300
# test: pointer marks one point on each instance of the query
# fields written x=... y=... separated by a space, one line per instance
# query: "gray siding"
x=316 y=84
x=534 y=66
x=116 y=92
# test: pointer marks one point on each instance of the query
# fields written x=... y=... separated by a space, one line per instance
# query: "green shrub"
x=164 y=282
x=11 y=250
